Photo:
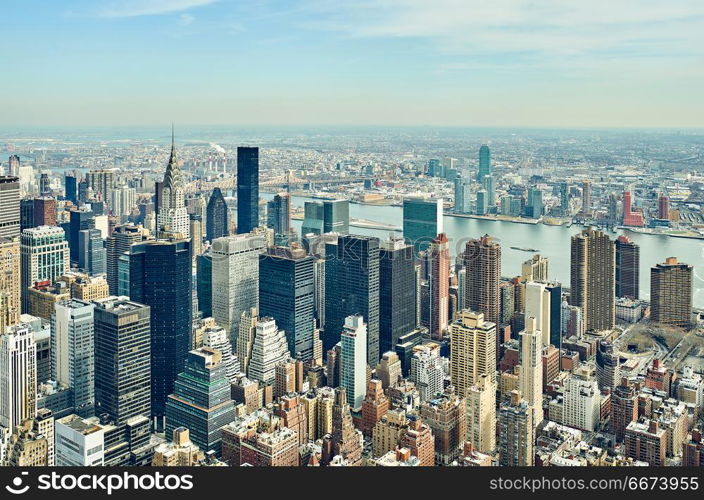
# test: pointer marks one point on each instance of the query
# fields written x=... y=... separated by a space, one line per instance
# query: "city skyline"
x=512 y=64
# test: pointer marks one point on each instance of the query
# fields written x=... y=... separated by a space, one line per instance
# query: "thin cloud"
x=135 y=8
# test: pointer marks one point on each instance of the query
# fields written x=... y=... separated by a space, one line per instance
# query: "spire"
x=172 y=177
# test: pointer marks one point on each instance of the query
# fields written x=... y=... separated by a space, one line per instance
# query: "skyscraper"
x=422 y=221
x=352 y=287
x=204 y=274
x=438 y=285
x=535 y=269
x=631 y=216
x=173 y=216
x=446 y=415
x=481 y=414
x=18 y=375
x=345 y=441
x=91 y=252
x=279 y=217
x=81 y=219
x=9 y=207
x=158 y=274
x=586 y=197
x=627 y=268
x=217 y=338
x=122 y=358
x=216 y=221
x=9 y=282
x=44 y=211
x=201 y=400
x=336 y=216
x=671 y=293
x=463 y=193
x=517 y=432
x=663 y=207
x=247 y=189
x=353 y=371
x=269 y=348
x=116 y=244
x=286 y=292
x=538 y=307
x=235 y=278
x=44 y=256
x=427 y=371
x=72 y=352
x=592 y=278
x=482 y=262
x=484 y=162
x=530 y=379
x=397 y=297
x=472 y=350
x=71 y=189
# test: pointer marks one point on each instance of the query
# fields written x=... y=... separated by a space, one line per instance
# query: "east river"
x=552 y=241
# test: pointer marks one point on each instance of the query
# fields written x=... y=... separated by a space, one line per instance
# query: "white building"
x=426 y=372
x=530 y=378
x=582 y=400
x=216 y=338
x=353 y=373
x=235 y=278
x=18 y=376
x=538 y=307
x=44 y=256
x=73 y=351
x=268 y=349
x=78 y=442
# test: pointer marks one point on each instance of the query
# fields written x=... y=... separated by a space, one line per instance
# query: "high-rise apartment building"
x=481 y=414
x=472 y=350
x=92 y=254
x=422 y=221
x=344 y=441
x=119 y=242
x=627 y=268
x=427 y=371
x=517 y=432
x=279 y=218
x=216 y=338
x=592 y=278
x=530 y=379
x=671 y=293
x=482 y=262
x=535 y=269
x=247 y=189
x=122 y=358
x=446 y=416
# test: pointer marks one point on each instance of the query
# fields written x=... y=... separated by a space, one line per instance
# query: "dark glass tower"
x=122 y=359
x=287 y=294
x=247 y=189
x=91 y=252
x=336 y=216
x=80 y=220
x=484 y=162
x=204 y=272
x=397 y=293
x=71 y=189
x=26 y=214
x=279 y=217
x=201 y=400
x=352 y=287
x=627 y=268
x=159 y=275
x=555 y=291
x=216 y=225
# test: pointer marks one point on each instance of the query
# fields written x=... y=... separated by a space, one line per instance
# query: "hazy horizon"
x=634 y=64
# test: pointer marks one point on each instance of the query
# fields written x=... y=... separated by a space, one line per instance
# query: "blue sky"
x=386 y=62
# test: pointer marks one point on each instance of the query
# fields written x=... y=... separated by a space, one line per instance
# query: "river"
x=552 y=241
